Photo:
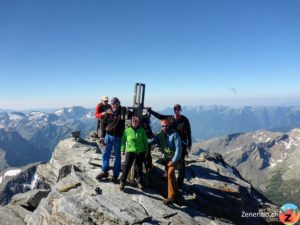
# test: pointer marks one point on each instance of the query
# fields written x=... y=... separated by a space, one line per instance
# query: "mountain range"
x=215 y=121
x=32 y=136
x=270 y=161
x=37 y=133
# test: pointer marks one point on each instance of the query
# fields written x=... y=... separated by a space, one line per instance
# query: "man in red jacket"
x=100 y=112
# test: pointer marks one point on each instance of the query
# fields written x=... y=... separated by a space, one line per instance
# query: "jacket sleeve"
x=103 y=126
x=154 y=141
x=98 y=113
x=123 y=141
x=158 y=116
x=189 y=132
x=145 y=140
x=178 y=147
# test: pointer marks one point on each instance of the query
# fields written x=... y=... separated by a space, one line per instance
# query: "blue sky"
x=56 y=53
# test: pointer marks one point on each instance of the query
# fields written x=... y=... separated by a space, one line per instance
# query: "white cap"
x=104 y=98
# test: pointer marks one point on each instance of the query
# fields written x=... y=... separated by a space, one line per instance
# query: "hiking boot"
x=180 y=182
x=102 y=175
x=122 y=186
x=179 y=200
x=168 y=201
x=114 y=179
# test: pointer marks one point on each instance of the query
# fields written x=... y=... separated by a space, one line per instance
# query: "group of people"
x=174 y=140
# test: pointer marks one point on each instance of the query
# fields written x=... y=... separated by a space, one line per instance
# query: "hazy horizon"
x=164 y=107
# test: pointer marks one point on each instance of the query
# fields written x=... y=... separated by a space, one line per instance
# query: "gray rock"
x=213 y=194
x=66 y=170
x=13 y=214
x=30 y=199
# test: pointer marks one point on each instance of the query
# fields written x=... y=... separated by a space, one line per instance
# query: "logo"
x=289 y=214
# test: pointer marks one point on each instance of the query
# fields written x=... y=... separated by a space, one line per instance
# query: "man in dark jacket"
x=181 y=124
x=100 y=112
x=114 y=125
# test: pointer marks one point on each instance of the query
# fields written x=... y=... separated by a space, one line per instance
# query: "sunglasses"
x=164 y=126
x=106 y=101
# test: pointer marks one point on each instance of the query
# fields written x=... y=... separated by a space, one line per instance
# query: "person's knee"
x=171 y=170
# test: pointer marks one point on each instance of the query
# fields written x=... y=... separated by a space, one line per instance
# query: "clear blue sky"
x=56 y=53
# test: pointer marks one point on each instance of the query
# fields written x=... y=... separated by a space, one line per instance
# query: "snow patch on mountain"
x=273 y=163
x=234 y=150
x=260 y=137
x=59 y=112
x=11 y=173
x=90 y=115
x=295 y=134
x=37 y=116
x=34 y=180
x=289 y=144
x=15 y=116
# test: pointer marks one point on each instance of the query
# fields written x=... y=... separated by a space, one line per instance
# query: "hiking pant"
x=129 y=159
x=101 y=132
x=172 y=183
x=98 y=125
x=181 y=174
x=110 y=142
x=148 y=158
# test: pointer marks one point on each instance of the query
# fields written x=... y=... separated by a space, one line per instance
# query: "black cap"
x=177 y=106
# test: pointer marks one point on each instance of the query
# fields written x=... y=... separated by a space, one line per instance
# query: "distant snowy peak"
x=16 y=116
x=38 y=116
x=90 y=114
x=36 y=119
x=288 y=141
x=263 y=136
x=60 y=112
x=263 y=148
x=73 y=112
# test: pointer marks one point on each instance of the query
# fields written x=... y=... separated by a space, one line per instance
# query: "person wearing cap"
x=181 y=124
x=113 y=125
x=170 y=144
x=100 y=112
x=135 y=143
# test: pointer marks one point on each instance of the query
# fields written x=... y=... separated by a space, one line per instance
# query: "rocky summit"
x=66 y=192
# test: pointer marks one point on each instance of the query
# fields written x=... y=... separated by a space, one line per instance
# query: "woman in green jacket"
x=135 y=143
